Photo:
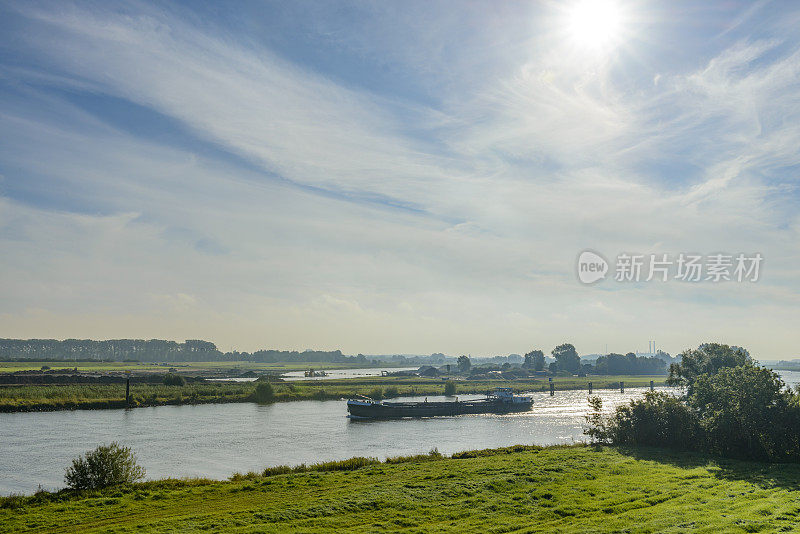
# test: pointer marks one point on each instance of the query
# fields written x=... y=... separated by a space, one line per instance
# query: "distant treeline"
x=154 y=350
x=629 y=364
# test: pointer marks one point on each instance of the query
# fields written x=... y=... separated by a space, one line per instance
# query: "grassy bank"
x=99 y=396
x=560 y=489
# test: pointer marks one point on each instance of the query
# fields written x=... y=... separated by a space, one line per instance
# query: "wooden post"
x=552 y=389
x=128 y=392
x=622 y=387
x=590 y=388
x=652 y=388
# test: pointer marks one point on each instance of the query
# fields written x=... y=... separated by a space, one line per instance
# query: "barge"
x=501 y=401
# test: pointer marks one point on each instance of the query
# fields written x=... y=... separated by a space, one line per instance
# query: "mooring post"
x=652 y=388
x=127 y=392
x=622 y=387
x=590 y=388
x=552 y=389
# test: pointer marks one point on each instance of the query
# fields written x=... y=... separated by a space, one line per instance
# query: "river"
x=216 y=440
x=329 y=374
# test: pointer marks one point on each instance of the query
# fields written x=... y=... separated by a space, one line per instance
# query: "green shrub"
x=495 y=452
x=450 y=388
x=391 y=392
x=264 y=392
x=107 y=465
x=171 y=379
x=657 y=420
x=376 y=394
x=351 y=464
x=282 y=470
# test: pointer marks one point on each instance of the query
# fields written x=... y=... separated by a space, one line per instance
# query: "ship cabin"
x=507 y=395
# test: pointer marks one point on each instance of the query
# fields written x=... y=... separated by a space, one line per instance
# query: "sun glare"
x=595 y=24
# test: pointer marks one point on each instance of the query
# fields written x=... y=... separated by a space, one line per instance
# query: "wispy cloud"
x=331 y=212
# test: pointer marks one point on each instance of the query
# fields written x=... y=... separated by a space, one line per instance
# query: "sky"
x=398 y=177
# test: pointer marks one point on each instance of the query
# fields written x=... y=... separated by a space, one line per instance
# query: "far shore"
x=40 y=398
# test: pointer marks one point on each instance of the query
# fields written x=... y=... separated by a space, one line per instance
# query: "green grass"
x=99 y=396
x=517 y=489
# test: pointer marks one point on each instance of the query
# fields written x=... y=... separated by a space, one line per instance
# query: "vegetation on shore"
x=555 y=489
x=732 y=407
x=99 y=396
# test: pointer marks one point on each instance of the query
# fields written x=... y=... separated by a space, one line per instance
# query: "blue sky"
x=406 y=177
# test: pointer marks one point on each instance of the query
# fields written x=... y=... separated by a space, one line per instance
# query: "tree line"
x=568 y=361
x=155 y=350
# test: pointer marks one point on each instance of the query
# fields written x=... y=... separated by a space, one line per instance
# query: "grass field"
x=98 y=396
x=557 y=489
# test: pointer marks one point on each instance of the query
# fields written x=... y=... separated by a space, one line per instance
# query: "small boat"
x=500 y=401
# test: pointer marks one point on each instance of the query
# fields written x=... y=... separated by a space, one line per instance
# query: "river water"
x=216 y=440
x=329 y=375
x=345 y=373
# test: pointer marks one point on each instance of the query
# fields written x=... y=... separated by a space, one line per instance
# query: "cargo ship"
x=501 y=401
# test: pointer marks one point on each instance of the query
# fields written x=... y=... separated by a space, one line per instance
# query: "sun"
x=595 y=24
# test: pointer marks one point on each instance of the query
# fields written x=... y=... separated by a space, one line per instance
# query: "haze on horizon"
x=406 y=177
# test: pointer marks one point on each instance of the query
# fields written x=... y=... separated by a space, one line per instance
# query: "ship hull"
x=396 y=410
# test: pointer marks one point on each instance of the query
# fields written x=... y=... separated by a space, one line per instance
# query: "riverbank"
x=229 y=367
x=554 y=489
x=106 y=396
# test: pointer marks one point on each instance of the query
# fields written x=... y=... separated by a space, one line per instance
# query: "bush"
x=173 y=380
x=264 y=392
x=450 y=388
x=657 y=420
x=376 y=394
x=741 y=411
x=107 y=465
x=391 y=392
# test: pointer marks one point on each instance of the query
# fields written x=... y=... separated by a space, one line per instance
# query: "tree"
x=534 y=360
x=538 y=361
x=567 y=358
x=107 y=465
x=746 y=412
x=450 y=388
x=708 y=358
x=463 y=364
